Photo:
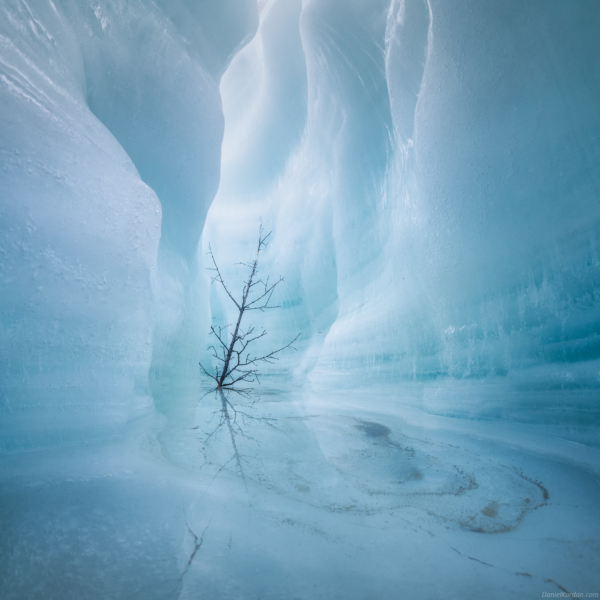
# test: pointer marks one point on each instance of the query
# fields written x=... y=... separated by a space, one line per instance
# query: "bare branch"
x=236 y=364
x=267 y=292
x=207 y=373
x=219 y=277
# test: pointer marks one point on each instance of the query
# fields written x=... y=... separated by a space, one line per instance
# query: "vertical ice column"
x=78 y=241
x=378 y=174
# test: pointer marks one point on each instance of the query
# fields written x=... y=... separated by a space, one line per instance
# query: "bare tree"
x=235 y=362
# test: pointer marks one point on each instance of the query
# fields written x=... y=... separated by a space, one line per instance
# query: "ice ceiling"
x=430 y=172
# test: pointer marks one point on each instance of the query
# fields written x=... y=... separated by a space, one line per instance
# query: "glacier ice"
x=98 y=119
x=439 y=192
x=430 y=174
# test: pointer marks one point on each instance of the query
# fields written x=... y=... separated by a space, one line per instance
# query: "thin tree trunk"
x=237 y=325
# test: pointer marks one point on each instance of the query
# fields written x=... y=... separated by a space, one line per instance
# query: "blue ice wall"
x=111 y=131
x=438 y=220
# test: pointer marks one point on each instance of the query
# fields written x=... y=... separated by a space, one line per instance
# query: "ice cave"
x=429 y=174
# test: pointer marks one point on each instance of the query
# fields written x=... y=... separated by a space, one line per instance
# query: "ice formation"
x=104 y=107
x=430 y=174
x=438 y=215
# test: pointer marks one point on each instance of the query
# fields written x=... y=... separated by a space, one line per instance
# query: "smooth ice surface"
x=430 y=173
x=354 y=495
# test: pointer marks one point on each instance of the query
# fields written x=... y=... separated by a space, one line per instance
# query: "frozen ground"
x=358 y=495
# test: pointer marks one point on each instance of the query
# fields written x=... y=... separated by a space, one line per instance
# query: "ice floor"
x=357 y=495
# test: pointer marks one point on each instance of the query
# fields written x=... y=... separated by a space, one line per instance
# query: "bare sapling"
x=236 y=365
